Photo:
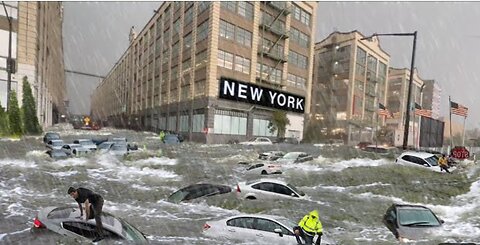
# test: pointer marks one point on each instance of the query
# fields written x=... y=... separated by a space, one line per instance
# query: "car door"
x=265 y=231
x=241 y=228
x=284 y=191
x=86 y=230
x=265 y=190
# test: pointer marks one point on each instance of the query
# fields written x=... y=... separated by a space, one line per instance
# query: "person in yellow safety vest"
x=443 y=162
x=308 y=227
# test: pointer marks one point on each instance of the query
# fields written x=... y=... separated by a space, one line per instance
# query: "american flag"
x=458 y=109
x=419 y=111
x=383 y=111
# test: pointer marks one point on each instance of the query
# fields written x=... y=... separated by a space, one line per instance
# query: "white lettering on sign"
x=283 y=98
x=242 y=90
x=291 y=102
x=299 y=104
x=272 y=97
x=256 y=93
x=230 y=87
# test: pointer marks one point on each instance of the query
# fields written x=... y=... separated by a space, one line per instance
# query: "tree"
x=14 y=117
x=278 y=122
x=3 y=122
x=29 y=111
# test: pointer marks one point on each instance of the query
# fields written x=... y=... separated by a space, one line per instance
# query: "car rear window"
x=60 y=213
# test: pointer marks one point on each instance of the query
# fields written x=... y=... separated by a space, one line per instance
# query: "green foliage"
x=4 y=131
x=29 y=111
x=278 y=122
x=14 y=117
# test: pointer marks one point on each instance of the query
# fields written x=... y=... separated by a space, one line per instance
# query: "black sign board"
x=231 y=89
x=431 y=132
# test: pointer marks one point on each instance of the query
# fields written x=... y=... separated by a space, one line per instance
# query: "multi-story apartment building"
x=214 y=71
x=431 y=97
x=349 y=82
x=398 y=81
x=37 y=48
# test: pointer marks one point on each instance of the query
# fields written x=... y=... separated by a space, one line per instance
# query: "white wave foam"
x=155 y=161
x=132 y=172
x=17 y=163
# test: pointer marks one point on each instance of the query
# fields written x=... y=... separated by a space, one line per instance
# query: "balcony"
x=280 y=6
x=274 y=28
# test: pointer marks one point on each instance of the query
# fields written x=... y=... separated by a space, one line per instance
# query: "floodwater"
x=350 y=189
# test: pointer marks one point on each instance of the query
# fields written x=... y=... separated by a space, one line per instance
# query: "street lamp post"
x=410 y=82
x=9 y=58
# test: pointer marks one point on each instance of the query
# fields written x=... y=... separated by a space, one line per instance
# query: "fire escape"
x=273 y=49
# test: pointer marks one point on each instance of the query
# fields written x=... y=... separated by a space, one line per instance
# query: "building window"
x=186 y=65
x=299 y=37
x=162 y=123
x=201 y=57
x=172 y=123
x=175 y=49
x=225 y=59
x=229 y=122
x=188 y=16
x=297 y=59
x=296 y=81
x=242 y=64
x=301 y=15
x=184 y=123
x=198 y=123
x=230 y=5
x=243 y=37
x=275 y=74
x=227 y=30
x=202 y=6
x=260 y=128
x=202 y=31
x=187 y=41
x=176 y=26
x=199 y=88
x=242 y=8
x=185 y=93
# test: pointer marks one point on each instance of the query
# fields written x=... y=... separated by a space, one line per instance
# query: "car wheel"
x=74 y=152
x=251 y=198
x=264 y=172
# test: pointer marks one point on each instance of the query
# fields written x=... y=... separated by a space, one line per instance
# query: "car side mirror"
x=389 y=219
x=278 y=231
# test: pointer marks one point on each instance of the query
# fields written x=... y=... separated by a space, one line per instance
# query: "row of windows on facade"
x=223 y=124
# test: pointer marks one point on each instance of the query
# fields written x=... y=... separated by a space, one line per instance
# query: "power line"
x=84 y=73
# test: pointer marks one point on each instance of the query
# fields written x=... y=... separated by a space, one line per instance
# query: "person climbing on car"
x=308 y=227
x=88 y=197
x=443 y=163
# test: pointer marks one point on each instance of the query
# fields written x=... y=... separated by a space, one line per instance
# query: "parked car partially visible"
x=268 y=189
x=362 y=145
x=197 y=191
x=64 y=222
x=288 y=140
x=255 y=229
x=50 y=136
x=420 y=159
x=75 y=150
x=294 y=157
x=55 y=144
x=257 y=141
x=412 y=222
x=171 y=139
x=271 y=155
x=86 y=143
x=264 y=168
x=57 y=154
x=114 y=148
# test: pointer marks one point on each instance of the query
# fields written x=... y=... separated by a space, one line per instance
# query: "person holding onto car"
x=443 y=163
x=93 y=202
x=308 y=227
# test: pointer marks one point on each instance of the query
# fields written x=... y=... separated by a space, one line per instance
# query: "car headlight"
x=404 y=239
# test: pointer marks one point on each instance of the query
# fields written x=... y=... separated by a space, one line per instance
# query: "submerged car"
x=257 y=141
x=86 y=143
x=64 y=221
x=197 y=191
x=268 y=189
x=50 y=136
x=118 y=149
x=420 y=159
x=264 y=168
x=256 y=228
x=411 y=222
x=171 y=139
x=75 y=150
x=295 y=157
x=57 y=154
x=271 y=155
x=55 y=144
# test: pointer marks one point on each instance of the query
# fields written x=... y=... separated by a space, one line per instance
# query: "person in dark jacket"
x=88 y=197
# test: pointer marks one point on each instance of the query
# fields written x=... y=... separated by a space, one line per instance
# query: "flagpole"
x=414 y=144
x=450 y=110
x=463 y=136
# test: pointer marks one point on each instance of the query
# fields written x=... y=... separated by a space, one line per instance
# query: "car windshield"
x=291 y=155
x=417 y=217
x=86 y=142
x=131 y=233
x=104 y=146
x=53 y=136
x=433 y=160
x=196 y=191
x=57 y=143
x=296 y=190
x=119 y=147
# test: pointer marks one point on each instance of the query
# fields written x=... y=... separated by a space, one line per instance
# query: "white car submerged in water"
x=420 y=159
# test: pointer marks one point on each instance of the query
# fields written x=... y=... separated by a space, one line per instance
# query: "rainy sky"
x=96 y=35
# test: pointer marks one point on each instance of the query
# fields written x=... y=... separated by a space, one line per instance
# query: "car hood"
x=417 y=233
